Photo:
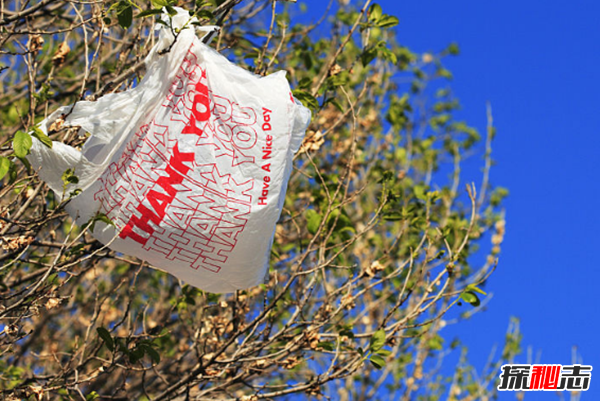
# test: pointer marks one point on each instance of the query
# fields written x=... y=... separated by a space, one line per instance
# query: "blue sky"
x=537 y=63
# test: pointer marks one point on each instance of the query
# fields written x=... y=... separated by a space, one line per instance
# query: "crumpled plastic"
x=191 y=165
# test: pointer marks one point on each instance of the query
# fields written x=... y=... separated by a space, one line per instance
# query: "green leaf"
x=146 y=13
x=375 y=12
x=368 y=55
x=125 y=15
x=393 y=217
x=159 y=3
x=75 y=250
x=41 y=136
x=104 y=218
x=377 y=361
x=92 y=396
x=334 y=102
x=326 y=346
x=346 y=331
x=388 y=55
x=12 y=173
x=498 y=195
x=453 y=49
x=52 y=279
x=159 y=21
x=442 y=72
x=69 y=177
x=420 y=192
x=333 y=216
x=5 y=164
x=470 y=297
x=22 y=143
x=384 y=352
x=151 y=352
x=99 y=217
x=340 y=79
x=26 y=164
x=377 y=341
x=387 y=21
x=474 y=288
x=304 y=83
x=106 y=337
x=136 y=354
x=307 y=99
x=172 y=12
x=436 y=343
x=204 y=14
x=313 y=220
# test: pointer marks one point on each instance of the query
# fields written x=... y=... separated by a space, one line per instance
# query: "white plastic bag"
x=191 y=165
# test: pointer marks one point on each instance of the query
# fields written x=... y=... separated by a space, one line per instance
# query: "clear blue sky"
x=538 y=63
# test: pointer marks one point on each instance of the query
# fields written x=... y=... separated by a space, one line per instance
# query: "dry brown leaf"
x=61 y=54
x=312 y=141
x=12 y=244
x=348 y=301
x=3 y=215
x=35 y=43
x=335 y=69
x=312 y=337
x=11 y=329
x=52 y=303
x=38 y=392
x=57 y=124
x=375 y=267
x=291 y=362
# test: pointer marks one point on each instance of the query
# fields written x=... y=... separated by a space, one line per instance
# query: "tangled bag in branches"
x=190 y=166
